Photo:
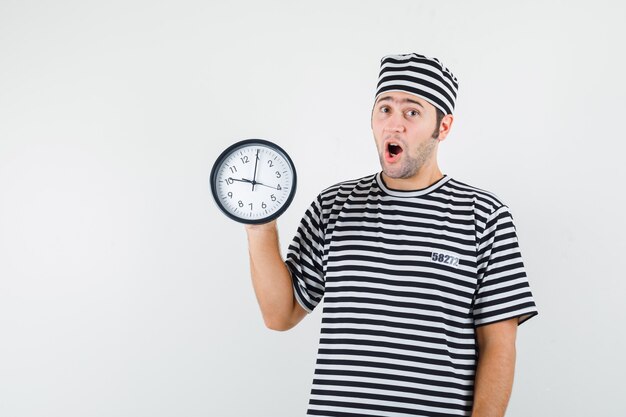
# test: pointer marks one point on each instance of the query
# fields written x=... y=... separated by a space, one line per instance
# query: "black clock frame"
x=234 y=147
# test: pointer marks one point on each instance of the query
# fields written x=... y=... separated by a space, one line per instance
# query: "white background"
x=125 y=292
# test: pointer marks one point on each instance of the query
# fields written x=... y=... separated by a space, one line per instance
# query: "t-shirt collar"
x=410 y=193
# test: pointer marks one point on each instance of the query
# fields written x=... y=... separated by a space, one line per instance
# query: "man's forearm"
x=494 y=380
x=270 y=277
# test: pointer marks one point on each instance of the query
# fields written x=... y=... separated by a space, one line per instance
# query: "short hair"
x=439 y=116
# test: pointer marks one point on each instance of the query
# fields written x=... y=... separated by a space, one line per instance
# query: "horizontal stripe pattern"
x=423 y=76
x=405 y=278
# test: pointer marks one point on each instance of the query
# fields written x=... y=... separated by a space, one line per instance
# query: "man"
x=421 y=275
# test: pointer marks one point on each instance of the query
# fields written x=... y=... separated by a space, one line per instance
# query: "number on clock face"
x=254 y=182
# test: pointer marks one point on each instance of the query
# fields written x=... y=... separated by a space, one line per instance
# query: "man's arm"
x=496 y=367
x=271 y=278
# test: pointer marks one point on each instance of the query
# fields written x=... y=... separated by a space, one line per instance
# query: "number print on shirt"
x=445 y=259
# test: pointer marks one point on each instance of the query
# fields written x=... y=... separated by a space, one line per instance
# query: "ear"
x=445 y=126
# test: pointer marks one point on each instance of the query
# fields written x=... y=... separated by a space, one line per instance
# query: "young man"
x=421 y=275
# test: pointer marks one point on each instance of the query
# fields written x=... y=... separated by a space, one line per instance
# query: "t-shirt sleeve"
x=503 y=290
x=305 y=258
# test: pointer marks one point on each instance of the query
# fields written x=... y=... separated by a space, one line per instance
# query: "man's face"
x=403 y=126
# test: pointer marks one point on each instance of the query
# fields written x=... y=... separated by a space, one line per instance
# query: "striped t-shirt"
x=406 y=277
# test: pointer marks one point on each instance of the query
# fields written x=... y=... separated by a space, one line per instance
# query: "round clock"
x=253 y=181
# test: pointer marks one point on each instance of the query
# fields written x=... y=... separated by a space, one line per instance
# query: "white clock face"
x=253 y=181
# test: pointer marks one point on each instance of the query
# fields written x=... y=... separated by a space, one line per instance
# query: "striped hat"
x=426 y=77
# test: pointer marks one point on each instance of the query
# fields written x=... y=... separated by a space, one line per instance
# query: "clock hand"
x=241 y=180
x=253 y=182
x=269 y=186
x=256 y=160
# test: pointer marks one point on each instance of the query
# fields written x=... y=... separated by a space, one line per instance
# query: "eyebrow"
x=389 y=98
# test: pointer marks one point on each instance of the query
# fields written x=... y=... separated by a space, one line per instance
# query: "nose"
x=395 y=123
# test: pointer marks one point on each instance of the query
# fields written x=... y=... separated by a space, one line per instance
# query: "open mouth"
x=393 y=150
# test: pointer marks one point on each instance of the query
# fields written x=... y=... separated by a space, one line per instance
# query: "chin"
x=394 y=173
x=399 y=172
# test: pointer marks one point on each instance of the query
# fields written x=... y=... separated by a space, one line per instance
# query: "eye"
x=384 y=109
x=413 y=113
